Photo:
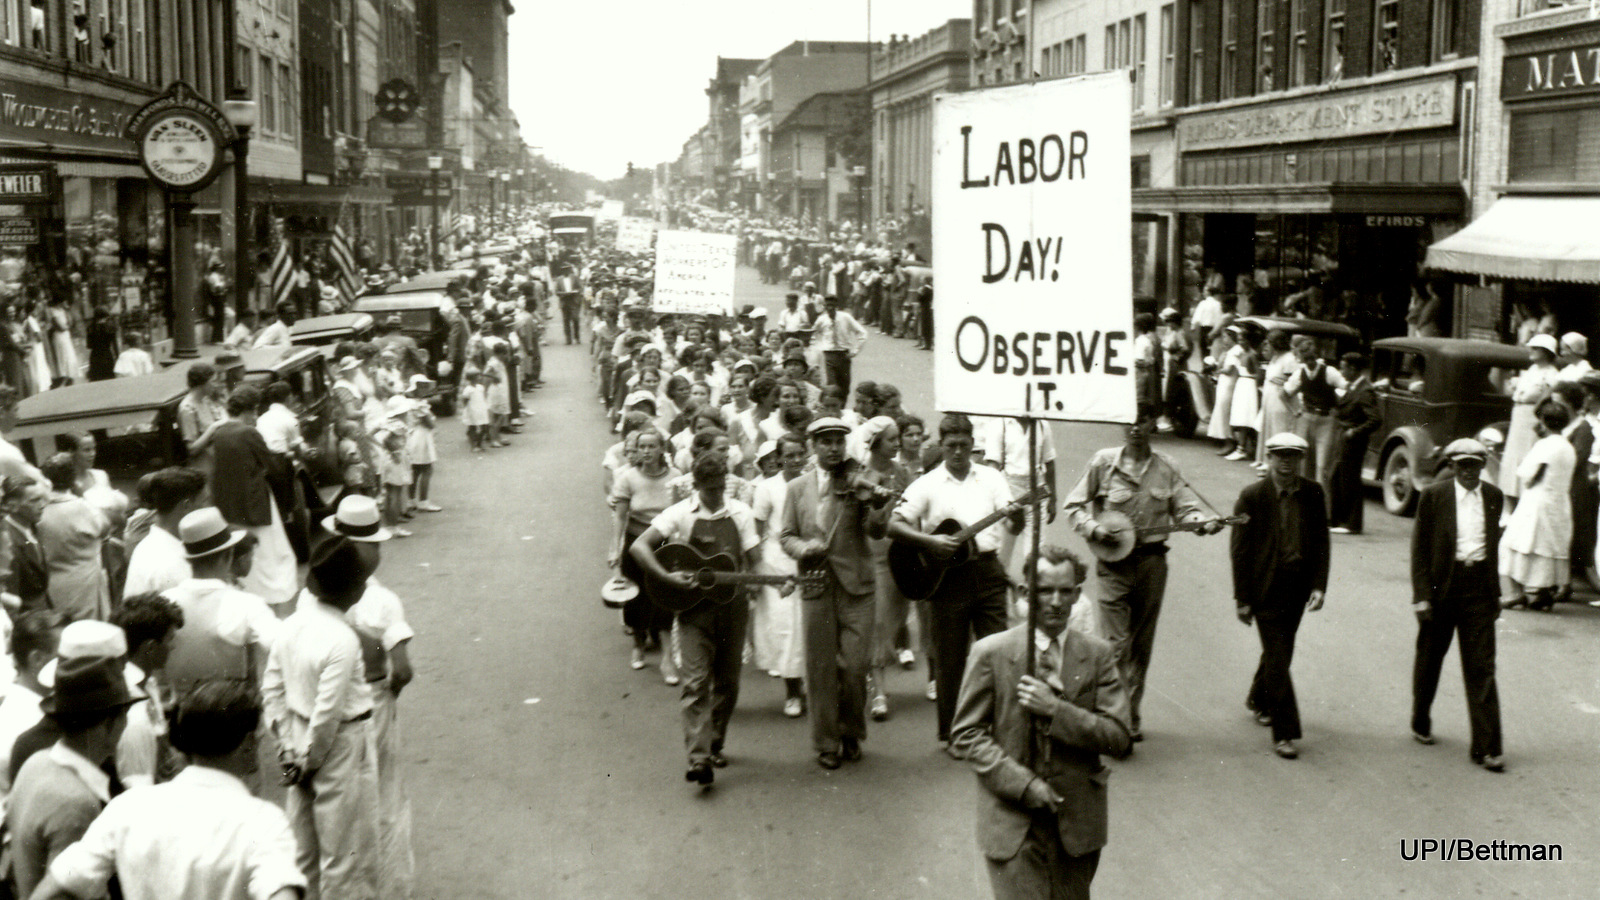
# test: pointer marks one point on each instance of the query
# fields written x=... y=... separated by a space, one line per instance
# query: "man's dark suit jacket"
x=1357 y=411
x=239 y=476
x=1254 y=545
x=848 y=554
x=991 y=730
x=1433 y=544
x=29 y=576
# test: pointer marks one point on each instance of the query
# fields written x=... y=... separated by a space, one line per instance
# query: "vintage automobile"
x=573 y=229
x=422 y=319
x=319 y=331
x=430 y=281
x=134 y=422
x=1430 y=392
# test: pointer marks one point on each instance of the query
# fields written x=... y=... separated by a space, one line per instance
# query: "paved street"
x=540 y=765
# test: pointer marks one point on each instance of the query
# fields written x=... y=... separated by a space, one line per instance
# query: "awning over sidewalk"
x=1531 y=238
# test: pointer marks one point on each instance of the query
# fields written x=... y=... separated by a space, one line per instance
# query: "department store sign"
x=53 y=116
x=1379 y=110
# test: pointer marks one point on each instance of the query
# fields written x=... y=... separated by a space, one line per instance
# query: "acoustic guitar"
x=716 y=578
x=918 y=573
x=1122 y=536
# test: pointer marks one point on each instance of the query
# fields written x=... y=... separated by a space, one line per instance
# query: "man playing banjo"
x=1133 y=492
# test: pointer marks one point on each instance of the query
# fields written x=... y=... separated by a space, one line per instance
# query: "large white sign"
x=634 y=234
x=1032 y=246
x=694 y=272
x=610 y=211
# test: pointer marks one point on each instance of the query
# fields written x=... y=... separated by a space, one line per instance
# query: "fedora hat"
x=357 y=519
x=87 y=686
x=616 y=592
x=205 y=532
x=338 y=569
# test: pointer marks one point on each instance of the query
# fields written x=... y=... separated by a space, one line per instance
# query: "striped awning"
x=1527 y=238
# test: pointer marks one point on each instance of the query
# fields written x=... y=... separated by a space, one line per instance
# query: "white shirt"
x=156 y=564
x=241 y=617
x=677 y=521
x=280 y=427
x=1005 y=440
x=274 y=335
x=1208 y=312
x=793 y=320
x=315 y=672
x=1471 y=543
x=133 y=361
x=19 y=711
x=839 y=331
x=379 y=612
x=1574 y=371
x=939 y=495
x=139 y=749
x=201 y=836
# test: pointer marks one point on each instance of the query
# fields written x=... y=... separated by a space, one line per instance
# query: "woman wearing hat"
x=1246 y=403
x=1530 y=388
x=1220 y=427
x=776 y=627
x=1536 y=547
x=638 y=494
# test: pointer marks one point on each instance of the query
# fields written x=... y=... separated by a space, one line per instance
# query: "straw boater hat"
x=357 y=519
x=205 y=532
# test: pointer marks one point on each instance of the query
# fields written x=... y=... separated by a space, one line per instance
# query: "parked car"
x=134 y=422
x=1333 y=339
x=306 y=371
x=422 y=319
x=429 y=282
x=1430 y=392
x=320 y=331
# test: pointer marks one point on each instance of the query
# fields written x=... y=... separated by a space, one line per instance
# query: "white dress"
x=1530 y=389
x=777 y=631
x=1537 y=543
x=1246 y=397
x=1222 y=410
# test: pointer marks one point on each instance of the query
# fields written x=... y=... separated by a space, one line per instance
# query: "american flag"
x=346 y=278
x=281 y=275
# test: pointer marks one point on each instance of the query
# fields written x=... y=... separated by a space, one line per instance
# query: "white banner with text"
x=694 y=272
x=1032 y=246
x=634 y=235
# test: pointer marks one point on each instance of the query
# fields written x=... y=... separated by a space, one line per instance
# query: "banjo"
x=1122 y=536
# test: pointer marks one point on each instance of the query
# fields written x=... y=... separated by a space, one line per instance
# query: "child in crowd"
x=474 y=408
x=396 y=477
x=420 y=445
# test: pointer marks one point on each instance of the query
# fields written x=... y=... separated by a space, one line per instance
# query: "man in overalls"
x=710 y=635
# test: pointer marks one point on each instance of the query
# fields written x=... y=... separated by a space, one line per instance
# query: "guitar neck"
x=1160 y=530
x=747 y=578
x=972 y=531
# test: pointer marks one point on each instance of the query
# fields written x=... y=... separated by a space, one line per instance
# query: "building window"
x=1081 y=57
x=1140 y=171
x=1266 y=22
x=1168 y=63
x=286 y=113
x=1111 y=46
x=1385 y=35
x=1230 y=48
x=1197 y=52
x=1555 y=146
x=1446 y=29
x=244 y=67
x=266 y=97
x=1299 y=41
x=1138 y=61
x=1333 y=43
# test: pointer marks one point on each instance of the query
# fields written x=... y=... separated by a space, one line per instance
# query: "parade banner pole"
x=1030 y=563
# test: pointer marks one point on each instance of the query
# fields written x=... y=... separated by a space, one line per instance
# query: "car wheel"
x=1399 y=481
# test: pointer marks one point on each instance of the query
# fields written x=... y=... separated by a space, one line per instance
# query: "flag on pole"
x=346 y=278
x=281 y=275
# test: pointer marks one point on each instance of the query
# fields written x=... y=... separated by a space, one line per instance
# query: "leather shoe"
x=1263 y=719
x=1285 y=749
x=1422 y=738
x=828 y=759
x=718 y=760
x=1136 y=736
x=849 y=749
x=700 y=773
x=1492 y=763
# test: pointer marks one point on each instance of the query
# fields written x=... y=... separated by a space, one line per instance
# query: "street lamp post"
x=241 y=112
x=505 y=182
x=492 y=193
x=435 y=163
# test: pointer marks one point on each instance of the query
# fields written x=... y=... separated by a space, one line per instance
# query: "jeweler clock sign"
x=181 y=139
x=1032 y=251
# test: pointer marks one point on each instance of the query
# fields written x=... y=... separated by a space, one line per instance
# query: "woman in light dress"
x=1277 y=407
x=58 y=320
x=1246 y=394
x=881 y=436
x=639 y=493
x=1532 y=387
x=1220 y=427
x=1536 y=547
x=72 y=533
x=778 y=634
x=38 y=352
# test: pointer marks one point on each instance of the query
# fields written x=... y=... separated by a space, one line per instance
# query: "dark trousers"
x=836 y=368
x=925 y=321
x=570 y=317
x=1346 y=498
x=1042 y=870
x=710 y=643
x=1277 y=621
x=970 y=604
x=1473 y=618
x=838 y=629
x=514 y=385
x=1129 y=609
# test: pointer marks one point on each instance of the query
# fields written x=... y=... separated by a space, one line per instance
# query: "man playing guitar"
x=825 y=527
x=970 y=602
x=710 y=635
x=1143 y=485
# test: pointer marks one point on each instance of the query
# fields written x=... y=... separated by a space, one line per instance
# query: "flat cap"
x=1466 y=447
x=827 y=425
x=1287 y=442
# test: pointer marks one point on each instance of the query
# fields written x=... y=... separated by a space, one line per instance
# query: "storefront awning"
x=1288 y=199
x=326 y=194
x=1531 y=238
